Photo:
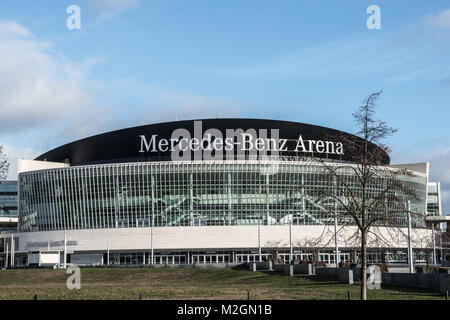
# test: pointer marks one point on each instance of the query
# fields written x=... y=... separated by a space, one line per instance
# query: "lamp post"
x=410 y=252
x=335 y=226
x=259 y=242
x=290 y=240
x=436 y=221
x=433 y=237
x=151 y=242
x=12 y=251
x=336 y=240
x=153 y=218
x=107 y=252
x=65 y=250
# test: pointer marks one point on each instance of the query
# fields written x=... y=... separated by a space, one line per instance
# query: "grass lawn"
x=221 y=284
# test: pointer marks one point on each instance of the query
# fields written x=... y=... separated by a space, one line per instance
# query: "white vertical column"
x=259 y=243
x=107 y=252
x=153 y=219
x=267 y=200
x=335 y=227
x=229 y=199
x=65 y=251
x=12 y=251
x=191 y=199
x=336 y=240
x=290 y=240
x=434 y=244
x=410 y=252
x=151 y=244
x=7 y=256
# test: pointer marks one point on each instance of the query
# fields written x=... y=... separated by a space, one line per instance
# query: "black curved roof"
x=124 y=145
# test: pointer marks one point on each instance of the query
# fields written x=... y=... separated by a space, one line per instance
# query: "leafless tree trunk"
x=374 y=193
x=272 y=247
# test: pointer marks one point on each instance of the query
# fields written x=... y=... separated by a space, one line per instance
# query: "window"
x=199 y=222
x=142 y=223
x=122 y=223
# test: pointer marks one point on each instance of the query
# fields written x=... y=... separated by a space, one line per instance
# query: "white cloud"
x=108 y=9
x=40 y=87
x=441 y=20
x=440 y=171
x=416 y=52
x=47 y=99
x=37 y=85
x=439 y=160
x=14 y=154
x=156 y=103
x=9 y=29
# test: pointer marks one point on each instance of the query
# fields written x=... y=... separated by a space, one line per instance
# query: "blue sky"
x=135 y=62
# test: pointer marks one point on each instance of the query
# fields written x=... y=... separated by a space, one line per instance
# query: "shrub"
x=431 y=269
x=383 y=267
x=317 y=263
x=347 y=264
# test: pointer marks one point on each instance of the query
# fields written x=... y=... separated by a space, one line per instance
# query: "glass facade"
x=8 y=203
x=433 y=199
x=187 y=194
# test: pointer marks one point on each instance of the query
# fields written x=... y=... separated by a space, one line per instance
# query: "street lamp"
x=410 y=253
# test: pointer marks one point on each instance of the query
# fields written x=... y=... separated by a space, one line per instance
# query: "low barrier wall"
x=300 y=268
x=183 y=265
x=345 y=276
x=434 y=281
x=260 y=266
x=416 y=280
x=334 y=272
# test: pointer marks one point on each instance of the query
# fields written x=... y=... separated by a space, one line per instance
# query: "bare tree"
x=444 y=244
x=4 y=165
x=366 y=193
x=273 y=247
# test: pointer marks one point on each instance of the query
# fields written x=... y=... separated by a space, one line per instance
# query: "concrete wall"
x=184 y=266
x=260 y=266
x=300 y=268
x=444 y=287
x=415 y=280
x=183 y=238
x=34 y=165
x=304 y=268
x=435 y=281
x=345 y=276
x=334 y=272
x=327 y=272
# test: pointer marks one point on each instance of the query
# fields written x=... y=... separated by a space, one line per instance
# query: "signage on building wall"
x=212 y=144
x=60 y=243
x=211 y=140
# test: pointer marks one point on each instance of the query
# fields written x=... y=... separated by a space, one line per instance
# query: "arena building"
x=201 y=191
